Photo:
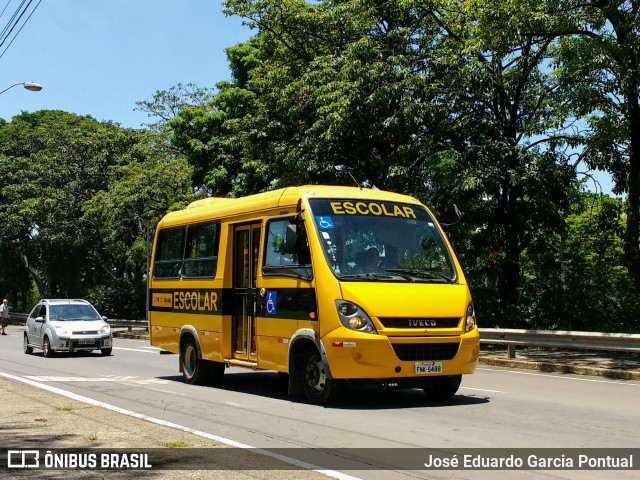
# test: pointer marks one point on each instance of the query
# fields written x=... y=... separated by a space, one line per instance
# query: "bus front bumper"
x=393 y=359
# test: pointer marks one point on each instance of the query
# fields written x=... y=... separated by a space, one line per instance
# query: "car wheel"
x=27 y=349
x=106 y=351
x=46 y=348
x=318 y=386
x=194 y=370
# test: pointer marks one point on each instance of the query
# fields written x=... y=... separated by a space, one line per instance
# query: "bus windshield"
x=365 y=240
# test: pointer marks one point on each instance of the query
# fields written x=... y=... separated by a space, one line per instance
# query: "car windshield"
x=73 y=312
x=365 y=240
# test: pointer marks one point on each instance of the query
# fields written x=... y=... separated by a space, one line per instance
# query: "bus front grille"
x=425 y=351
x=415 y=323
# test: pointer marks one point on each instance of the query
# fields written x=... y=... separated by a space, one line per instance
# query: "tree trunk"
x=40 y=284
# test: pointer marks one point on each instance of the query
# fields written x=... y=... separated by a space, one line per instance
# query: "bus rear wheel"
x=216 y=372
x=319 y=387
x=194 y=370
x=443 y=388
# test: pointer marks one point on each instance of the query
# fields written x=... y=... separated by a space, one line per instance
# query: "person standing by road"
x=4 y=316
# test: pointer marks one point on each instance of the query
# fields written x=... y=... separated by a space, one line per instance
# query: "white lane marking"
x=226 y=441
x=563 y=377
x=166 y=391
x=108 y=378
x=138 y=349
x=483 y=390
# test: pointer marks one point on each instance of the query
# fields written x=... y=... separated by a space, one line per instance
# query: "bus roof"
x=276 y=198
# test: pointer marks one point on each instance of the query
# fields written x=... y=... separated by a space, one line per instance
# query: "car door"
x=32 y=324
x=39 y=325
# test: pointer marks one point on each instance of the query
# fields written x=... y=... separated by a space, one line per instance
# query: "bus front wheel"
x=319 y=387
x=443 y=388
x=194 y=370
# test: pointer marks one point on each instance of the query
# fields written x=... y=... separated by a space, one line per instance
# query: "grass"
x=68 y=408
x=173 y=444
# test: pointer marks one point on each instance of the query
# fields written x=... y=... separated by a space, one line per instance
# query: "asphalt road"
x=367 y=432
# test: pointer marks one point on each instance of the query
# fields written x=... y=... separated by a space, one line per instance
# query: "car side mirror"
x=104 y=318
x=40 y=319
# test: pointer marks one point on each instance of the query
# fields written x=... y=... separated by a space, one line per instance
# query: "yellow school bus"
x=324 y=284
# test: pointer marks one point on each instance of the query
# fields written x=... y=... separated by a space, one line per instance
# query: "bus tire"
x=216 y=372
x=443 y=388
x=319 y=387
x=194 y=370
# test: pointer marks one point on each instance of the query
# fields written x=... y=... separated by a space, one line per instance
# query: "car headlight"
x=353 y=317
x=105 y=330
x=62 y=332
x=470 y=318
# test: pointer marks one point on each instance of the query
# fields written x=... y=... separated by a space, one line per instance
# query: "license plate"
x=428 y=368
x=87 y=341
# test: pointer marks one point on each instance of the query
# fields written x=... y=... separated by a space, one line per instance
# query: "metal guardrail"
x=618 y=342
x=21 y=319
x=130 y=324
x=18 y=318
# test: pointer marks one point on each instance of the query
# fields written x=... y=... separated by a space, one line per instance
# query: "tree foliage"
x=598 y=62
x=68 y=234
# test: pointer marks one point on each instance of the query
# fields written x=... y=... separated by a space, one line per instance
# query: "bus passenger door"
x=246 y=246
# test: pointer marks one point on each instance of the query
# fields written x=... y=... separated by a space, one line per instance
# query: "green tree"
x=137 y=194
x=339 y=87
x=576 y=280
x=52 y=162
x=598 y=62
x=504 y=162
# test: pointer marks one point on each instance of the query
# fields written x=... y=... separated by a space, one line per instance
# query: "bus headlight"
x=470 y=318
x=353 y=317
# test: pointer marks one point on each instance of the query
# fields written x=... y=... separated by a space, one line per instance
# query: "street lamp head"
x=33 y=86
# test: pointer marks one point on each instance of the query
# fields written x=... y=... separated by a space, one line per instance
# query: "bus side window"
x=201 y=254
x=168 y=254
x=277 y=252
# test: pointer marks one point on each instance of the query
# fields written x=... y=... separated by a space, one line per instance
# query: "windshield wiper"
x=378 y=276
x=420 y=273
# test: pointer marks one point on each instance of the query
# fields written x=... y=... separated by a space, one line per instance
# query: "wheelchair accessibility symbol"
x=325 y=223
x=272 y=297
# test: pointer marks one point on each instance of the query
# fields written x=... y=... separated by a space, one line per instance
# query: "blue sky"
x=98 y=57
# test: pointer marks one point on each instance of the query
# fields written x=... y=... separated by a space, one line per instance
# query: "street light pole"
x=31 y=86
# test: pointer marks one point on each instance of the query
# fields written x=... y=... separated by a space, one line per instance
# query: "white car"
x=63 y=325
